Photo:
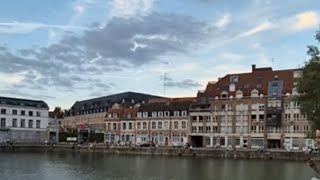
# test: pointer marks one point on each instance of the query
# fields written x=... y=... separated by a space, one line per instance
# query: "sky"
x=64 y=51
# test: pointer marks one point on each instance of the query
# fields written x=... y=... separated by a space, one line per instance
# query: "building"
x=121 y=124
x=54 y=125
x=164 y=122
x=88 y=115
x=23 y=121
x=253 y=110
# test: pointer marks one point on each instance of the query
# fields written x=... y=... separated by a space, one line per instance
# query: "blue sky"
x=64 y=51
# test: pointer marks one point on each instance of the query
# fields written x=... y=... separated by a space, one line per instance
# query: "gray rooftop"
x=23 y=102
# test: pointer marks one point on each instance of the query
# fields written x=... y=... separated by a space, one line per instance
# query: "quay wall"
x=203 y=152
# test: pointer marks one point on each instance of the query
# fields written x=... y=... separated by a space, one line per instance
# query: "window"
x=176 y=124
x=194 y=129
x=129 y=115
x=176 y=113
x=239 y=94
x=166 y=125
x=166 y=113
x=215 y=129
x=138 y=125
x=114 y=126
x=160 y=114
x=296 y=117
x=184 y=124
x=144 y=125
x=259 y=86
x=145 y=114
x=154 y=114
x=139 y=114
x=234 y=79
x=3 y=111
x=22 y=123
x=115 y=115
x=3 y=122
x=124 y=126
x=254 y=93
x=130 y=125
x=224 y=95
x=208 y=129
x=184 y=113
x=14 y=122
x=159 y=125
x=30 y=123
x=194 y=119
x=154 y=125
x=296 y=105
x=23 y=113
x=287 y=105
x=14 y=112
x=253 y=117
x=38 y=122
x=38 y=113
x=200 y=119
x=261 y=117
x=200 y=129
x=287 y=117
x=232 y=87
x=261 y=107
x=30 y=113
x=109 y=126
x=207 y=118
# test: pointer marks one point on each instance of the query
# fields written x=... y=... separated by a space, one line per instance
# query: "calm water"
x=77 y=166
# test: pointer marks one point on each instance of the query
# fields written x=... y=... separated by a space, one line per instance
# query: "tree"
x=308 y=86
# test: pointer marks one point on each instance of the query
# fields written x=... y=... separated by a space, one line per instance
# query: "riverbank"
x=196 y=152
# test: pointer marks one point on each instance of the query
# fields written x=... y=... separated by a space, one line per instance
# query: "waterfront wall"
x=213 y=153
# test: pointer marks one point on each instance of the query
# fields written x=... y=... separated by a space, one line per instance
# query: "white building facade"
x=23 y=121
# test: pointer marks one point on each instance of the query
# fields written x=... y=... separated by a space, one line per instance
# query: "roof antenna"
x=164 y=83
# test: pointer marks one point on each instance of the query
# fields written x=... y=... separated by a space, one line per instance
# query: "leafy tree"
x=308 y=86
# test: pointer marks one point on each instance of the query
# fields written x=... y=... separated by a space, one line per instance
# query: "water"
x=96 y=166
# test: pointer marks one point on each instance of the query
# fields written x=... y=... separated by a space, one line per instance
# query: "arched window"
x=254 y=93
x=239 y=94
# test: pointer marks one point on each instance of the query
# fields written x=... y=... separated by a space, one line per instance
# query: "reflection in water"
x=96 y=166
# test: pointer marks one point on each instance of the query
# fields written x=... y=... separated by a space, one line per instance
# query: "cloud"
x=22 y=27
x=231 y=57
x=224 y=21
x=306 y=20
x=131 y=8
x=11 y=78
x=19 y=93
x=79 y=9
x=187 y=83
x=257 y=29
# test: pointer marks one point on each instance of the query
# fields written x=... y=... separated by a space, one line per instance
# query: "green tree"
x=308 y=86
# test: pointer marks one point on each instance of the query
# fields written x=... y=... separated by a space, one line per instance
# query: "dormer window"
x=254 y=93
x=154 y=114
x=224 y=95
x=176 y=113
x=234 y=79
x=166 y=113
x=160 y=114
x=145 y=114
x=139 y=114
x=184 y=113
x=115 y=115
x=109 y=115
x=239 y=94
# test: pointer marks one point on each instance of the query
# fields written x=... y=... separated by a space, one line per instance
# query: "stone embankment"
x=196 y=152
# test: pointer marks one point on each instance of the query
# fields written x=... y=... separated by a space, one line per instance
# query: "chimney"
x=253 y=67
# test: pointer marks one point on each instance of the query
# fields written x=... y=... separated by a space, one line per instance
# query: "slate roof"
x=171 y=105
x=125 y=99
x=23 y=102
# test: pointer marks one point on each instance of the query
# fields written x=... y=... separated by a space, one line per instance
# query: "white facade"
x=23 y=123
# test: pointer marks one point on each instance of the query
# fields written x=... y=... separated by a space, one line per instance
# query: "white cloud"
x=224 y=21
x=79 y=9
x=305 y=20
x=11 y=78
x=21 y=27
x=52 y=34
x=231 y=57
x=257 y=29
x=131 y=8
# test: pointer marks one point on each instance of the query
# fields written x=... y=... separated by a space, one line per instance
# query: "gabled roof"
x=246 y=82
x=23 y=102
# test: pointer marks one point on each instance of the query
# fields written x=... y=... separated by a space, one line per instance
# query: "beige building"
x=164 y=122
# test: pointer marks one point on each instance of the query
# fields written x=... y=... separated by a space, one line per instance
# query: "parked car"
x=148 y=144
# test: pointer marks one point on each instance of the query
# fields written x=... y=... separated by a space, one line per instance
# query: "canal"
x=96 y=166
